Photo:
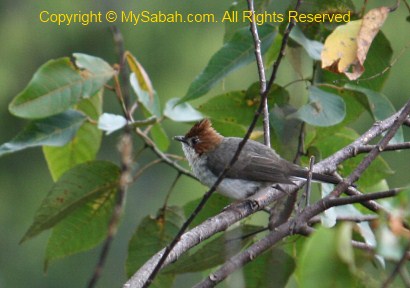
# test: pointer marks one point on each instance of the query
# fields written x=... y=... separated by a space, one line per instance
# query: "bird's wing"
x=260 y=168
x=252 y=165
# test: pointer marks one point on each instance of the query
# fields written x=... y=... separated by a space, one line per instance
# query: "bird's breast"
x=230 y=187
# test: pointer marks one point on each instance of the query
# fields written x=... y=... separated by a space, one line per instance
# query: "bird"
x=257 y=167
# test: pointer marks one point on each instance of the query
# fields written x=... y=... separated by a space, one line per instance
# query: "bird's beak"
x=180 y=139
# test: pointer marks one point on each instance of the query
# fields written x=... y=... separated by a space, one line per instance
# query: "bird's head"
x=202 y=138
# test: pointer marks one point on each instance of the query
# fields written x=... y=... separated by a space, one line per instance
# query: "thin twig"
x=301 y=144
x=364 y=197
x=397 y=268
x=371 y=205
x=124 y=71
x=295 y=81
x=353 y=218
x=125 y=149
x=145 y=167
x=390 y=147
x=388 y=67
x=261 y=72
x=309 y=179
x=170 y=190
x=163 y=156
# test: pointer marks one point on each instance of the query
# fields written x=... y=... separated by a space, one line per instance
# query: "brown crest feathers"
x=208 y=137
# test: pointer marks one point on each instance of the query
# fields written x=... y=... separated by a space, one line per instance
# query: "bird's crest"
x=208 y=137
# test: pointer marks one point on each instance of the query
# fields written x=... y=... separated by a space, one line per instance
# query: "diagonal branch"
x=163 y=156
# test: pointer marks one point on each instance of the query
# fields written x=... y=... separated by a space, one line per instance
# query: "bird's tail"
x=316 y=176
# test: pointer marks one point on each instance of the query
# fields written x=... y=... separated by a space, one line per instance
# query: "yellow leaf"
x=340 y=50
x=139 y=71
x=346 y=48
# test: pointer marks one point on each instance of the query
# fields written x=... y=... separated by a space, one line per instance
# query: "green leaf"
x=53 y=131
x=214 y=252
x=320 y=260
x=237 y=52
x=58 y=85
x=323 y=109
x=380 y=107
x=273 y=51
x=274 y=264
x=160 y=137
x=238 y=107
x=77 y=186
x=95 y=72
x=83 y=229
x=354 y=109
x=183 y=112
x=83 y=147
x=312 y=47
x=153 y=234
x=214 y=206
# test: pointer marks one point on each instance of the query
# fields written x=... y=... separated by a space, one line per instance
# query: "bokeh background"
x=172 y=54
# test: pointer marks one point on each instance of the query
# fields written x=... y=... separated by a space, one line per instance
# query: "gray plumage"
x=257 y=166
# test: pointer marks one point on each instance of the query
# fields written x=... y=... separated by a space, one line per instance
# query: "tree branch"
x=230 y=216
x=363 y=198
x=390 y=147
x=299 y=224
x=161 y=155
x=261 y=72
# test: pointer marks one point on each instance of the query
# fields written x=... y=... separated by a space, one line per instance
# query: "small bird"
x=257 y=167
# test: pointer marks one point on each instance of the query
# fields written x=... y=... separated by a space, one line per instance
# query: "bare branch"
x=161 y=155
x=363 y=198
x=371 y=205
x=353 y=218
x=261 y=72
x=390 y=147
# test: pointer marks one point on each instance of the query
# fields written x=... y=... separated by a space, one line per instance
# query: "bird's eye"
x=194 y=141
